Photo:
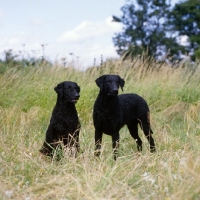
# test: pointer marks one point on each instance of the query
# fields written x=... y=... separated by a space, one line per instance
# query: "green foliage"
x=144 y=29
x=13 y=60
x=154 y=27
x=197 y=54
x=185 y=19
x=26 y=103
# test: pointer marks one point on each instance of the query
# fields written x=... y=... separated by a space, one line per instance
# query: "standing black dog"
x=113 y=111
x=64 y=124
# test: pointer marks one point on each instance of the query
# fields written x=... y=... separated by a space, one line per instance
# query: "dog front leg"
x=115 y=144
x=98 y=140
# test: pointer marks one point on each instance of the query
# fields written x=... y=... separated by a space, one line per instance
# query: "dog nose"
x=77 y=95
x=115 y=91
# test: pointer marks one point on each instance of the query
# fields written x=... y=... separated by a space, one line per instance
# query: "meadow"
x=27 y=98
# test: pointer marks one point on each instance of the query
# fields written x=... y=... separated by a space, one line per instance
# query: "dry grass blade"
x=27 y=99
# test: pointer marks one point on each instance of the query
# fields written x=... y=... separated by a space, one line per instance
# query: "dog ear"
x=121 y=82
x=99 y=81
x=59 y=89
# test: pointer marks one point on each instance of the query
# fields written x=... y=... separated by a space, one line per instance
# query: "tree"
x=185 y=19
x=145 y=28
x=9 y=56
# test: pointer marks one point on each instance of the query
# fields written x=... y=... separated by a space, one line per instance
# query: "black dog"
x=64 y=124
x=113 y=111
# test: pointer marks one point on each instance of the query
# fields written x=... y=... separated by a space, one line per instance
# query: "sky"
x=78 y=30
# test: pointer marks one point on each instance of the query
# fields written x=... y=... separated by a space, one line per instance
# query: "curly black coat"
x=112 y=111
x=64 y=123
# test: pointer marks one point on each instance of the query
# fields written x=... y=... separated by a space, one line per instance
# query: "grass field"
x=27 y=98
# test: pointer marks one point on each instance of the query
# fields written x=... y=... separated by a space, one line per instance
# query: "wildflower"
x=148 y=177
x=9 y=193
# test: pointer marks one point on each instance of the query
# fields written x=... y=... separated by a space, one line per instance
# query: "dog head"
x=68 y=90
x=110 y=84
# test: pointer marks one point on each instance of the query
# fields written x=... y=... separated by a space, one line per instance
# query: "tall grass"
x=27 y=98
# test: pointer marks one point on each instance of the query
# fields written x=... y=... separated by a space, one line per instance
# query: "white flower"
x=147 y=177
x=183 y=161
x=9 y=193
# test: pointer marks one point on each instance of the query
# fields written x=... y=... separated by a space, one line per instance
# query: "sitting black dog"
x=64 y=123
x=113 y=111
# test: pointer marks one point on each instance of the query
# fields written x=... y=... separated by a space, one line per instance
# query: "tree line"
x=163 y=31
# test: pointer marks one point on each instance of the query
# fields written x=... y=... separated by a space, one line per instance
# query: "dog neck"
x=65 y=103
x=107 y=101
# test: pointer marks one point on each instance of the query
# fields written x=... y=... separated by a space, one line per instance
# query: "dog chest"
x=107 y=121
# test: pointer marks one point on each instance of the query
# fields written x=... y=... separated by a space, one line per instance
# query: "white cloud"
x=1 y=15
x=107 y=51
x=87 y=41
x=86 y=53
x=37 y=21
x=88 y=30
x=183 y=40
x=16 y=43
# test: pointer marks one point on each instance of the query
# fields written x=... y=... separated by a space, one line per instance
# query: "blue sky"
x=81 y=27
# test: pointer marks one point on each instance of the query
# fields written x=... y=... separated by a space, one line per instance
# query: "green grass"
x=27 y=98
